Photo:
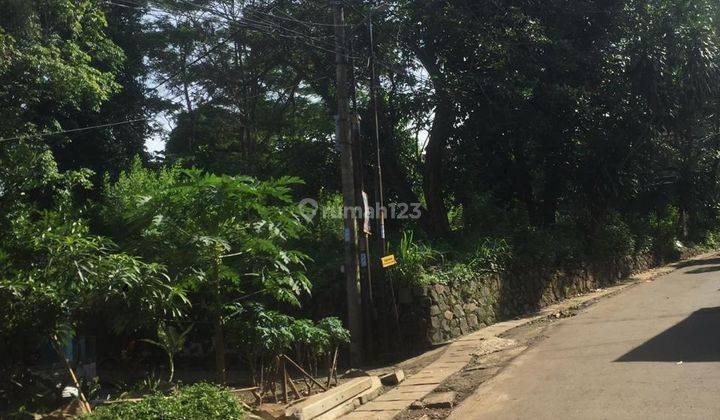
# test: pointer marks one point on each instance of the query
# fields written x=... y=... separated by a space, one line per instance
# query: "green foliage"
x=419 y=263
x=54 y=272
x=52 y=261
x=491 y=256
x=328 y=222
x=53 y=54
x=226 y=238
x=78 y=269
x=261 y=335
x=312 y=339
x=194 y=402
x=210 y=229
x=613 y=241
x=336 y=333
x=452 y=273
x=171 y=341
x=572 y=133
x=270 y=118
x=413 y=259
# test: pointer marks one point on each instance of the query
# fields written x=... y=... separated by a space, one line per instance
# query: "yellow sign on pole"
x=388 y=261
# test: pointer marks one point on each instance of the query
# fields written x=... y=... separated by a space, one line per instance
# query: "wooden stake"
x=273 y=383
x=295 y=390
x=281 y=362
x=84 y=404
x=333 y=366
x=305 y=373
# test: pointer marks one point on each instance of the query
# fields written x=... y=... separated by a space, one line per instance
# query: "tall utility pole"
x=380 y=204
x=378 y=167
x=352 y=274
x=362 y=202
x=363 y=235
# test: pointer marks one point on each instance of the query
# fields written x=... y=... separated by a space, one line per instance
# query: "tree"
x=226 y=238
x=245 y=89
x=112 y=149
x=54 y=272
x=56 y=57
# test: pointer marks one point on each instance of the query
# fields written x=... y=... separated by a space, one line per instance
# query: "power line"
x=196 y=60
x=258 y=24
x=300 y=21
x=73 y=130
x=263 y=24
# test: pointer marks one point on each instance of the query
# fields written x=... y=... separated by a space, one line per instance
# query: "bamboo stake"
x=332 y=367
x=305 y=373
x=294 y=388
x=284 y=383
x=262 y=380
x=273 y=383
x=84 y=404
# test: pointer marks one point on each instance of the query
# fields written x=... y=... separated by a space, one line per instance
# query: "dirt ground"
x=481 y=369
x=409 y=367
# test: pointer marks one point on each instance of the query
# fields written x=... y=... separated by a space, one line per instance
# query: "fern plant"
x=171 y=341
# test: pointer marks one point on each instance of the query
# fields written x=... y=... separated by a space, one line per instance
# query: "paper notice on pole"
x=366 y=213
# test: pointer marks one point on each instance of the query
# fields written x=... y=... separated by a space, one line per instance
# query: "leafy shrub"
x=481 y=215
x=559 y=245
x=414 y=260
x=170 y=341
x=328 y=220
x=315 y=341
x=536 y=248
x=310 y=342
x=491 y=257
x=663 y=228
x=452 y=273
x=337 y=334
x=262 y=335
x=195 y=402
x=712 y=239
x=613 y=241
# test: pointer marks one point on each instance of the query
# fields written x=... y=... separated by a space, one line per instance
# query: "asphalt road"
x=652 y=351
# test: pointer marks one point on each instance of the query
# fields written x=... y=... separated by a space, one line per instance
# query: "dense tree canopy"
x=555 y=133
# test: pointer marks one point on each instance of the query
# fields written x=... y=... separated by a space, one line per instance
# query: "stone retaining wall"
x=437 y=313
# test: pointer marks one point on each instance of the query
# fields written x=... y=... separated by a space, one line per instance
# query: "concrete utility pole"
x=366 y=296
x=352 y=273
x=379 y=199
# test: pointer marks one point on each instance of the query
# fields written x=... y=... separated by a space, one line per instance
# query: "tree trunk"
x=219 y=336
x=171 y=367
x=394 y=174
x=434 y=160
x=437 y=141
x=219 y=343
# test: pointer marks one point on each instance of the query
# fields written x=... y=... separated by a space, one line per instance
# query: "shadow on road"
x=703 y=261
x=701 y=270
x=694 y=339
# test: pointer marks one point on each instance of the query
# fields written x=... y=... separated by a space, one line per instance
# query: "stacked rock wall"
x=436 y=313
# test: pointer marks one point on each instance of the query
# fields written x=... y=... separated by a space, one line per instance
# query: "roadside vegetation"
x=532 y=135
